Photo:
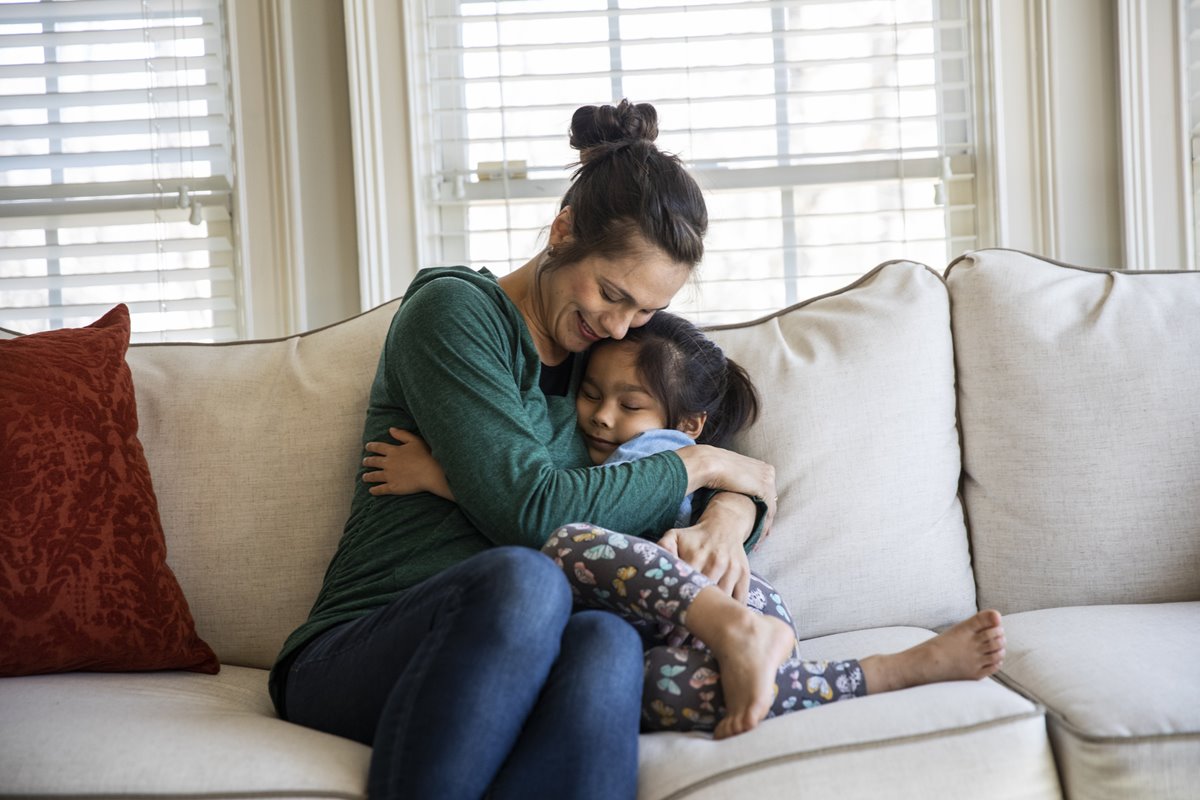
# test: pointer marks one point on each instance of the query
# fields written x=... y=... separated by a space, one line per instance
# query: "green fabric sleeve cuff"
x=700 y=502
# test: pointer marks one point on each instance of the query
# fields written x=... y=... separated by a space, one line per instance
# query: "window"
x=115 y=182
x=829 y=136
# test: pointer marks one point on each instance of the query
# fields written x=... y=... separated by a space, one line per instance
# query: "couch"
x=1014 y=433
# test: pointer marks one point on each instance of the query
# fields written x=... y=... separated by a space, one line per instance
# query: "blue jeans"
x=481 y=679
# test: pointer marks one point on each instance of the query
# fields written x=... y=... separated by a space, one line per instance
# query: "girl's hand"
x=714 y=544
x=405 y=468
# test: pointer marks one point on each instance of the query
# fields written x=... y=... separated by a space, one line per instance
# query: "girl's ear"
x=693 y=425
x=560 y=229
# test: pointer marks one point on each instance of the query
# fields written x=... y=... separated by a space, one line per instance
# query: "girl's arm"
x=405 y=468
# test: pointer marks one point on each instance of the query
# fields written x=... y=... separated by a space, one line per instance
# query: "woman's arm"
x=723 y=470
x=716 y=543
x=459 y=371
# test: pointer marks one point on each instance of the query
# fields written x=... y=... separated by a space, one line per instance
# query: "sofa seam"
x=735 y=772
x=1058 y=718
x=971 y=254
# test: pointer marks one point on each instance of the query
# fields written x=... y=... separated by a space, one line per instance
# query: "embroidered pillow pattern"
x=84 y=583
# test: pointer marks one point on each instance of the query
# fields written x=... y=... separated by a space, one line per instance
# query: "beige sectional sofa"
x=1016 y=434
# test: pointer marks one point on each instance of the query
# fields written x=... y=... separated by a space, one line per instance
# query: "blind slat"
x=160 y=67
x=140 y=278
x=166 y=246
x=116 y=158
x=142 y=211
x=209 y=93
x=96 y=310
x=130 y=35
x=567 y=11
x=212 y=124
x=12 y=198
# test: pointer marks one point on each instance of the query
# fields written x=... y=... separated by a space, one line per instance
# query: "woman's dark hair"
x=624 y=186
x=689 y=374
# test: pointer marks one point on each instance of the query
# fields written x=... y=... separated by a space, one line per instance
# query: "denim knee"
x=521 y=591
x=606 y=655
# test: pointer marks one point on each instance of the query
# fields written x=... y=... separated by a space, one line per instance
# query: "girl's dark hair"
x=689 y=374
x=624 y=186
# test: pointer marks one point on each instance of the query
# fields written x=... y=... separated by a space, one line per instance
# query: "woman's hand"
x=714 y=544
x=725 y=470
x=405 y=468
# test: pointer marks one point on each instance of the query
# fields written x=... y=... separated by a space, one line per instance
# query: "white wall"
x=1089 y=130
x=296 y=213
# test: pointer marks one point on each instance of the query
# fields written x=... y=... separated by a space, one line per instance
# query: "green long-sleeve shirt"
x=459 y=368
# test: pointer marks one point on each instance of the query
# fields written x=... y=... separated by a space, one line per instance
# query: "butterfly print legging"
x=652 y=588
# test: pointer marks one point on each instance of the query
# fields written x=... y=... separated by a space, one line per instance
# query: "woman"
x=456 y=657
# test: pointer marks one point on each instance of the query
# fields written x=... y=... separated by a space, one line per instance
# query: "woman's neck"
x=521 y=287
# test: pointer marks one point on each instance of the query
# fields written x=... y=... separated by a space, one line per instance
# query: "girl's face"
x=613 y=405
x=600 y=298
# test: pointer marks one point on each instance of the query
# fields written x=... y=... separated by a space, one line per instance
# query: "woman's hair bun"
x=596 y=129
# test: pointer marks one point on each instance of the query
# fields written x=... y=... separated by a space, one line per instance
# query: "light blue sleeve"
x=647 y=444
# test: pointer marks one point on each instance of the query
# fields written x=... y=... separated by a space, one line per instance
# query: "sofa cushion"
x=858 y=418
x=1119 y=685
x=1077 y=398
x=84 y=581
x=962 y=739
x=254 y=448
x=168 y=734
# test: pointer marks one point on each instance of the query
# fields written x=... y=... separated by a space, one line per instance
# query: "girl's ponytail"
x=737 y=406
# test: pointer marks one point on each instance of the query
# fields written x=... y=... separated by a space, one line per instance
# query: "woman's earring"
x=550 y=251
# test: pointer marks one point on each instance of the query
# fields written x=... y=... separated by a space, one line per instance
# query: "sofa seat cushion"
x=1119 y=686
x=964 y=739
x=168 y=734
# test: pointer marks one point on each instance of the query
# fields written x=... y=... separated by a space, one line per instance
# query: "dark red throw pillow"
x=84 y=581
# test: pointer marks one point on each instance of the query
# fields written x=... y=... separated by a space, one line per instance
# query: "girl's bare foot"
x=971 y=650
x=749 y=649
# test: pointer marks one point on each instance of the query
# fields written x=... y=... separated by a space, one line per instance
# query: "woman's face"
x=600 y=298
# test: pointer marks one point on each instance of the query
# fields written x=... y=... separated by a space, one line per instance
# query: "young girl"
x=665 y=386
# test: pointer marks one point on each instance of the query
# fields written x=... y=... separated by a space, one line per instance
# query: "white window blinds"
x=829 y=136
x=114 y=167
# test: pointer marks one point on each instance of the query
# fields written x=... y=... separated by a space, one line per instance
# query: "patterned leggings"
x=652 y=589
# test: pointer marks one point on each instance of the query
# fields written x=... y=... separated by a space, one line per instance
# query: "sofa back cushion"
x=1078 y=394
x=253 y=448
x=858 y=418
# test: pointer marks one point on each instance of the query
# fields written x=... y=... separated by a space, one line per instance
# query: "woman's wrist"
x=698 y=462
x=734 y=514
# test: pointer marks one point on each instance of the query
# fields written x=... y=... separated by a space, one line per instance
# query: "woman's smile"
x=589 y=334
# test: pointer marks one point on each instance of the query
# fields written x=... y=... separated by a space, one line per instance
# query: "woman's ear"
x=560 y=229
x=693 y=425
